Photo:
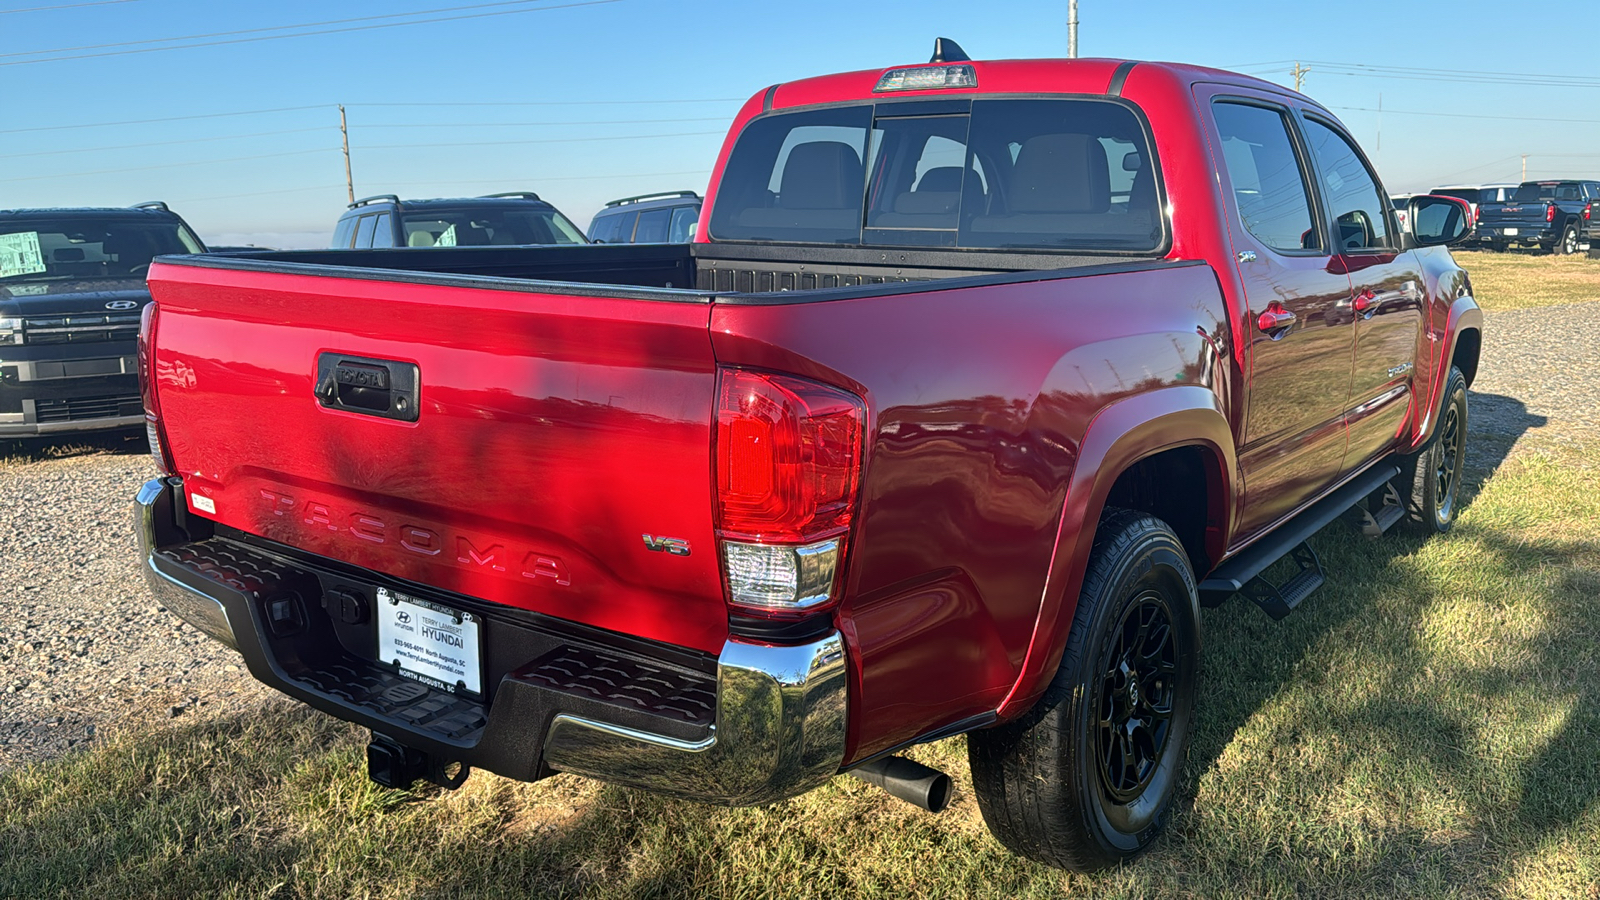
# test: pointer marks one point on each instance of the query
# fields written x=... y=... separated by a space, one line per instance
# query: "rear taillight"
x=788 y=462
x=1588 y=210
x=147 y=390
x=1550 y=213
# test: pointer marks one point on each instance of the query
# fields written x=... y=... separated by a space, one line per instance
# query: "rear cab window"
x=1061 y=174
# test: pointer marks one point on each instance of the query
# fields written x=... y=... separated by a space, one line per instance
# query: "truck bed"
x=651 y=271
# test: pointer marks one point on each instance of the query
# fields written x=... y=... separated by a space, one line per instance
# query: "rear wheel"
x=1085 y=779
x=1568 y=244
x=1434 y=472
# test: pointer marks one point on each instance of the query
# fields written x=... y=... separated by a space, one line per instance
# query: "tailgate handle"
x=373 y=387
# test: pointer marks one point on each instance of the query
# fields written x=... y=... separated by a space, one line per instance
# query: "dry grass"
x=1518 y=280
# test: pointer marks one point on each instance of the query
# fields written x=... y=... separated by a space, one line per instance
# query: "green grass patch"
x=1425 y=726
x=1519 y=280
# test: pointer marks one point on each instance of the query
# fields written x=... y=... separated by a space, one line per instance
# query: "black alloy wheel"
x=1135 y=695
x=1447 y=462
x=1085 y=779
x=1433 y=474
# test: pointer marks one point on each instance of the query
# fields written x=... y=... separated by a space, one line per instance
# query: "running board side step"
x=1233 y=575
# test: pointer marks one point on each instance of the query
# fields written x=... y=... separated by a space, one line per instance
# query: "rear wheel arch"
x=1464 y=356
x=1134 y=450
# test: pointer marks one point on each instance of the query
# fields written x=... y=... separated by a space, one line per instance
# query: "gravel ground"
x=82 y=646
x=83 y=649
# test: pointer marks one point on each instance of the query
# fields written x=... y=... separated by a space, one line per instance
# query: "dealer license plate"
x=433 y=644
x=1509 y=232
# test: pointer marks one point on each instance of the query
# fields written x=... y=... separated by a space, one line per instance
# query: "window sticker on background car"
x=20 y=255
x=27 y=290
x=448 y=239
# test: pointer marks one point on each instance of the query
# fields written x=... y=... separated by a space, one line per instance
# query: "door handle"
x=1366 y=303
x=1276 y=321
x=373 y=387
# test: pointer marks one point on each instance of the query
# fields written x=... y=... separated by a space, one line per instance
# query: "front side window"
x=1038 y=174
x=62 y=249
x=1269 y=187
x=684 y=219
x=1351 y=191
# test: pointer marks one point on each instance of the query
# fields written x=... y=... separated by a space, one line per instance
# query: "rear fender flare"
x=1119 y=436
x=1464 y=315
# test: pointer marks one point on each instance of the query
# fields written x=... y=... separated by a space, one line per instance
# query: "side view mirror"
x=1439 y=221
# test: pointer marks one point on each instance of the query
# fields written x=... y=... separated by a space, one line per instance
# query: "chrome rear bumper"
x=780 y=711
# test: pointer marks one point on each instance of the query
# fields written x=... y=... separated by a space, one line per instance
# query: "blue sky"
x=585 y=101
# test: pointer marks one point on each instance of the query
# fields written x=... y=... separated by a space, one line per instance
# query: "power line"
x=212 y=34
x=608 y=176
x=366 y=126
x=278 y=37
x=225 y=137
x=6 y=12
x=1413 y=112
x=618 y=137
x=202 y=162
x=220 y=115
x=553 y=102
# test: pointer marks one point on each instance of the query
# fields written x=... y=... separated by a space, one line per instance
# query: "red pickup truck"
x=979 y=381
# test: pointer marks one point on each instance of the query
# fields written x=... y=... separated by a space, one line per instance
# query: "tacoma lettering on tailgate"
x=420 y=540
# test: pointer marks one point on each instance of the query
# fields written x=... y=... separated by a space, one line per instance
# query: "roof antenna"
x=946 y=50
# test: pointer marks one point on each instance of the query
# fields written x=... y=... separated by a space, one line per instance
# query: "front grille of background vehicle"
x=79 y=408
x=80 y=329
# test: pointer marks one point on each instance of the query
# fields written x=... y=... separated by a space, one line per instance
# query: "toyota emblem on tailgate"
x=122 y=304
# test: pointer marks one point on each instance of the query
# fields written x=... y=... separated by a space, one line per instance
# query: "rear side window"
x=364 y=231
x=1269 y=188
x=653 y=226
x=343 y=234
x=616 y=228
x=1057 y=174
x=383 y=232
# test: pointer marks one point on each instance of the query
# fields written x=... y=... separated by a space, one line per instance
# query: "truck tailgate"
x=553 y=434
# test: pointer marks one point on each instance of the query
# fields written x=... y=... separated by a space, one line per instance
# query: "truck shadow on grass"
x=1426 y=720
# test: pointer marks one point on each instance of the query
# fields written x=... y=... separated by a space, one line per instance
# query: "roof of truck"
x=1008 y=76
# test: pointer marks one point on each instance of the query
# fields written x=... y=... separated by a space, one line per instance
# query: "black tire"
x=1568 y=245
x=1084 y=780
x=1430 y=479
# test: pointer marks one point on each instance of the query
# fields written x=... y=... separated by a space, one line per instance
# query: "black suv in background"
x=71 y=292
x=667 y=218
x=509 y=219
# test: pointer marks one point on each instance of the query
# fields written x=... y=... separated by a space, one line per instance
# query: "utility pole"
x=1299 y=74
x=1072 y=29
x=1524 y=167
x=344 y=132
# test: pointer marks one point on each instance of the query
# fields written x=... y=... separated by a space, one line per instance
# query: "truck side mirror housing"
x=1439 y=221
